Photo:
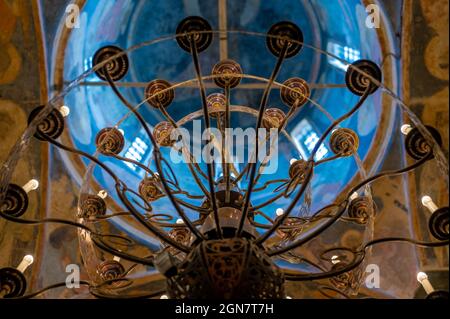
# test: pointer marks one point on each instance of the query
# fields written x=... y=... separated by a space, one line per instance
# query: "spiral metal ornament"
x=52 y=126
x=181 y=235
x=299 y=170
x=344 y=142
x=109 y=270
x=109 y=141
x=281 y=32
x=232 y=268
x=149 y=189
x=162 y=132
x=229 y=72
x=161 y=99
x=357 y=82
x=116 y=68
x=295 y=91
x=416 y=144
x=192 y=24
x=360 y=209
x=16 y=201
x=291 y=228
x=216 y=103
x=273 y=118
x=92 y=206
x=348 y=280
x=12 y=282
x=439 y=224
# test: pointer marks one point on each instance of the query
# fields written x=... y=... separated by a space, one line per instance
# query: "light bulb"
x=288 y=297
x=406 y=128
x=25 y=263
x=428 y=203
x=31 y=185
x=116 y=258
x=354 y=196
x=423 y=279
x=64 y=110
x=103 y=194
x=121 y=131
x=335 y=260
x=279 y=211
x=179 y=221
x=292 y=161
x=164 y=297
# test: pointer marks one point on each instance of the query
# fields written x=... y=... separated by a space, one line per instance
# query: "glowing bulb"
x=179 y=221
x=288 y=297
x=279 y=211
x=64 y=110
x=121 y=131
x=354 y=196
x=428 y=203
x=292 y=161
x=31 y=185
x=423 y=279
x=103 y=194
x=164 y=297
x=335 y=260
x=25 y=263
x=116 y=258
x=406 y=128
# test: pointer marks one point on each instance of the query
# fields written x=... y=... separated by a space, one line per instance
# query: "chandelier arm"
x=44 y=221
x=269 y=201
x=194 y=53
x=358 y=260
x=199 y=209
x=391 y=173
x=227 y=167
x=291 y=206
x=341 y=119
x=329 y=159
x=342 y=206
x=291 y=112
x=54 y=286
x=266 y=184
x=99 y=294
x=191 y=157
x=262 y=107
x=157 y=154
x=155 y=230
x=115 y=252
x=118 y=182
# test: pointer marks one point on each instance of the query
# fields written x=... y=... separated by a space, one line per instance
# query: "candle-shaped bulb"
x=31 y=185
x=423 y=279
x=25 y=263
x=64 y=110
x=279 y=211
x=428 y=203
x=406 y=128
x=103 y=194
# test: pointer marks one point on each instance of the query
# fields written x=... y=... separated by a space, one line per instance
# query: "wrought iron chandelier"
x=219 y=242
